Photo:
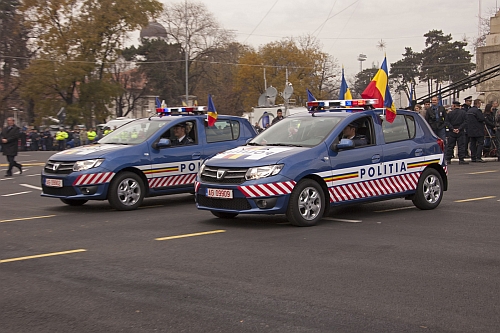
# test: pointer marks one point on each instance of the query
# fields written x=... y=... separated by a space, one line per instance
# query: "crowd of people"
x=465 y=126
x=47 y=140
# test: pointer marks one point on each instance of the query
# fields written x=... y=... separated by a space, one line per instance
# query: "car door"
x=402 y=154
x=355 y=171
x=175 y=167
x=223 y=135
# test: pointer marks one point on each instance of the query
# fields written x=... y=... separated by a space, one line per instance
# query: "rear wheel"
x=224 y=215
x=306 y=206
x=74 y=202
x=429 y=190
x=126 y=191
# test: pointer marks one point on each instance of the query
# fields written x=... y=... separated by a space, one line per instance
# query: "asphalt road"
x=380 y=267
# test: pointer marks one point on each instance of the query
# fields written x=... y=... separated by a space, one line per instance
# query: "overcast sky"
x=354 y=27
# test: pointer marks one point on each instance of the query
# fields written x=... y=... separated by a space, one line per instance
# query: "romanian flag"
x=158 y=105
x=379 y=89
x=310 y=96
x=345 y=92
x=212 y=113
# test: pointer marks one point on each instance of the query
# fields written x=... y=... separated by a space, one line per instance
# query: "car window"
x=189 y=129
x=363 y=132
x=223 y=130
x=300 y=131
x=133 y=133
x=410 y=122
x=397 y=130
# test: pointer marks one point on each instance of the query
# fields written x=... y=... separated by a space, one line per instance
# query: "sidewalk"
x=487 y=159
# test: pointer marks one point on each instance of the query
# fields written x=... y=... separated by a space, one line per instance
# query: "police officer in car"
x=350 y=133
x=181 y=137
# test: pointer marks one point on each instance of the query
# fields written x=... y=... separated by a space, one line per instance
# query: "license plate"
x=53 y=182
x=219 y=193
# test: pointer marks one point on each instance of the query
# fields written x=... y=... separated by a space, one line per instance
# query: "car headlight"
x=263 y=171
x=87 y=164
x=202 y=167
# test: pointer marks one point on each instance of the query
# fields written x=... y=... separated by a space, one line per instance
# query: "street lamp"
x=361 y=58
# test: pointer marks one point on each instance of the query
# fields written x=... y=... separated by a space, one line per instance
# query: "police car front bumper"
x=90 y=184
x=265 y=196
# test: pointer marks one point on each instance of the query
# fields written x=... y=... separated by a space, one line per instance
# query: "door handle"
x=419 y=152
x=376 y=158
x=196 y=156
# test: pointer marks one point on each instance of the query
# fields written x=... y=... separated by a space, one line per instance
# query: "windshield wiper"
x=253 y=144
x=284 y=144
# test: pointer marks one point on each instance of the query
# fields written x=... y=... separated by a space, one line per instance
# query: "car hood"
x=87 y=152
x=250 y=156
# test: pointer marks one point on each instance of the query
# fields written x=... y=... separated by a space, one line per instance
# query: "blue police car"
x=333 y=155
x=146 y=157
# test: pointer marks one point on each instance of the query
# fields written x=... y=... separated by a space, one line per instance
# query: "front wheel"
x=74 y=202
x=307 y=204
x=126 y=191
x=224 y=215
x=429 y=190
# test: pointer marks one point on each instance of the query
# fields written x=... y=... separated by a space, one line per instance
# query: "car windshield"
x=297 y=132
x=134 y=132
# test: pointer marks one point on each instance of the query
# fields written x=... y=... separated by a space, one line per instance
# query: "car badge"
x=55 y=166
x=220 y=174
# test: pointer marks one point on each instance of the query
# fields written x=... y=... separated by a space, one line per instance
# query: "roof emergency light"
x=181 y=111
x=338 y=104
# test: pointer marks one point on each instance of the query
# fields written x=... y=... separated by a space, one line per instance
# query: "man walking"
x=475 y=131
x=279 y=116
x=10 y=138
x=456 y=120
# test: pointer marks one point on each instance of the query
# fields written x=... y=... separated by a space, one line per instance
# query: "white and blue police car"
x=309 y=162
x=142 y=158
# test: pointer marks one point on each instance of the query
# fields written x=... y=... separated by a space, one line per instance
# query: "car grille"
x=64 y=168
x=232 y=175
x=61 y=191
x=231 y=204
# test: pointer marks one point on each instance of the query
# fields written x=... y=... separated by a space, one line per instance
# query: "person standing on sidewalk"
x=475 y=131
x=497 y=133
x=9 y=139
x=435 y=116
x=456 y=120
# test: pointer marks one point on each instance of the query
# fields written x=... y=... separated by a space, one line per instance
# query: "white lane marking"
x=6 y=178
x=481 y=172
x=31 y=186
x=476 y=199
x=341 y=220
x=394 y=209
x=36 y=175
x=12 y=194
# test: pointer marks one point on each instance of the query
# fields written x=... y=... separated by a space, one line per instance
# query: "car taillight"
x=441 y=144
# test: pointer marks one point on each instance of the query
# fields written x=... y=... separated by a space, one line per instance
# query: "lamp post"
x=361 y=58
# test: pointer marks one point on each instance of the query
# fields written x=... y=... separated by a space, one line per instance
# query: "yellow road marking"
x=27 y=218
x=25 y=164
x=481 y=172
x=190 y=235
x=42 y=255
x=393 y=209
x=476 y=199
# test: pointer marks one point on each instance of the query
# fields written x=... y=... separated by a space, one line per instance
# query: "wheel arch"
x=137 y=172
x=326 y=193
x=441 y=171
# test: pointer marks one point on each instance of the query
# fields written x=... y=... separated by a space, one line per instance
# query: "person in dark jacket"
x=466 y=106
x=279 y=116
x=456 y=121
x=489 y=122
x=475 y=131
x=9 y=139
x=436 y=116
x=497 y=128
x=181 y=135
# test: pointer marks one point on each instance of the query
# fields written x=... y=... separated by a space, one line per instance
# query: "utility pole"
x=187 y=54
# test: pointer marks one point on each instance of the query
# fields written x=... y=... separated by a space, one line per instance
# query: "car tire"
x=74 y=202
x=224 y=215
x=126 y=191
x=307 y=204
x=429 y=190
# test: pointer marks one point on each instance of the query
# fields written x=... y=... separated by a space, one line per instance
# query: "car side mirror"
x=343 y=144
x=163 y=143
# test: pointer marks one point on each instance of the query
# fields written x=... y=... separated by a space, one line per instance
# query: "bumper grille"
x=65 y=191
x=231 y=204
x=58 y=168
x=231 y=175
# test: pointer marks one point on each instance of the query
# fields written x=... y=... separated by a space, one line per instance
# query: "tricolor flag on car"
x=345 y=92
x=379 y=88
x=212 y=113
